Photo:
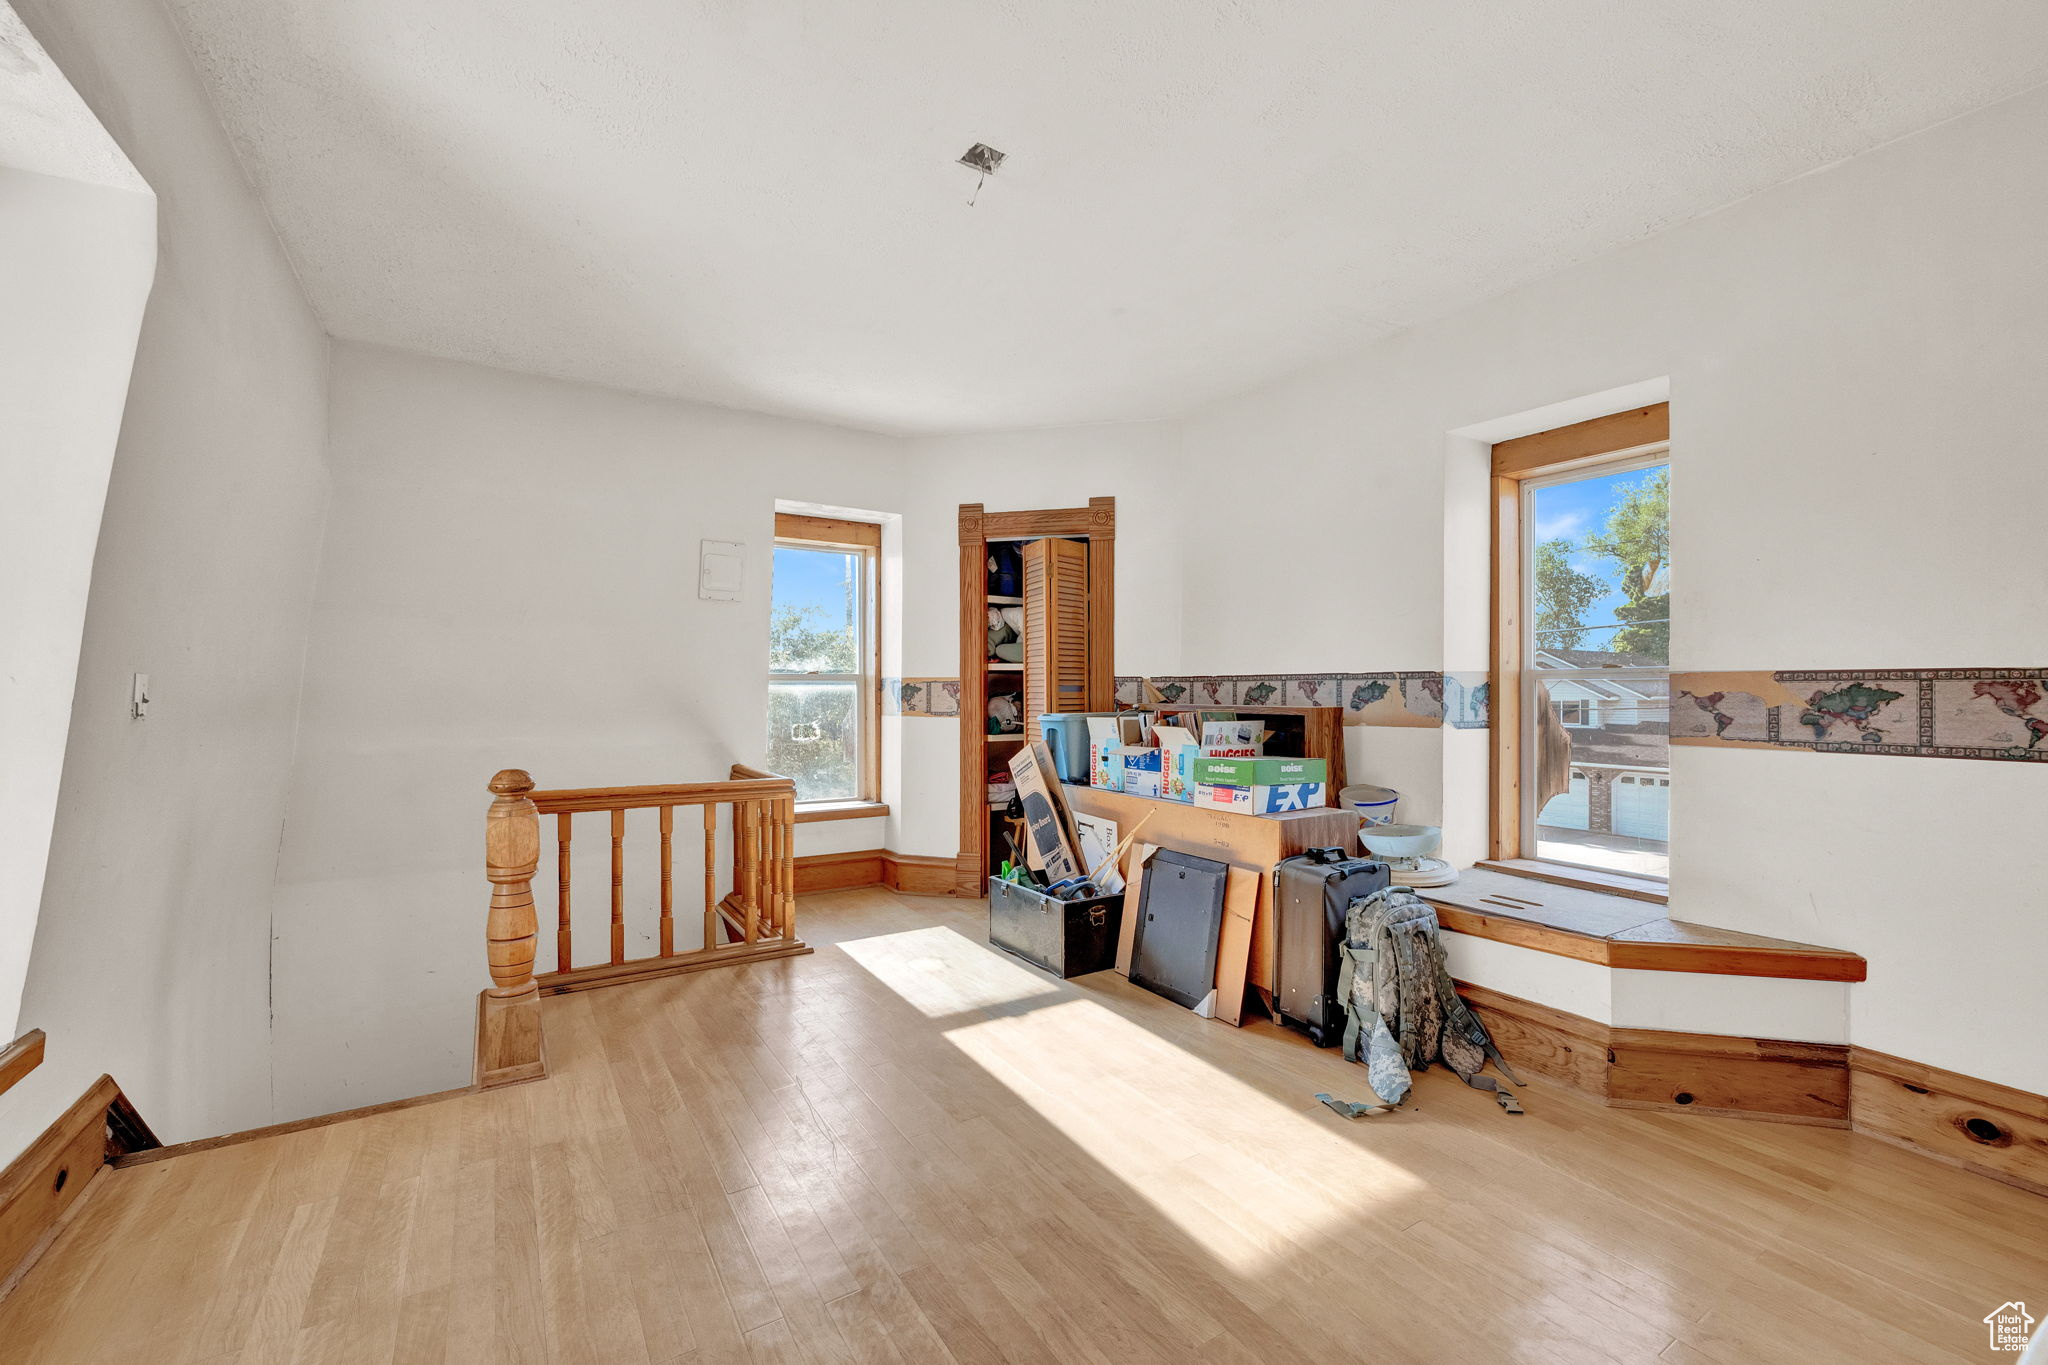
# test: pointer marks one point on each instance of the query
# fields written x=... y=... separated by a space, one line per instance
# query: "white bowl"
x=1401 y=841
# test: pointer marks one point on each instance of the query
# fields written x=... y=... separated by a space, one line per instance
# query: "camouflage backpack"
x=1402 y=1010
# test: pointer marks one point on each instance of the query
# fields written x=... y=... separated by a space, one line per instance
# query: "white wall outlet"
x=721 y=570
x=138 y=700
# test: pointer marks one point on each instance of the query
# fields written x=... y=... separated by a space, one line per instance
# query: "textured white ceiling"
x=44 y=126
x=754 y=202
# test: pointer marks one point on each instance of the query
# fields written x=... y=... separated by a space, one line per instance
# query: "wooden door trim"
x=974 y=537
x=1095 y=523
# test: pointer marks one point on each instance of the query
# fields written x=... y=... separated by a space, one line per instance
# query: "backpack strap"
x=1352 y=1110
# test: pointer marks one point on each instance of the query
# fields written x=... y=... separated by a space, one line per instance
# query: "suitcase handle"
x=1325 y=855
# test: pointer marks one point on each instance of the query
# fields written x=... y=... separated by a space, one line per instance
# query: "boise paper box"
x=1261 y=800
x=1212 y=771
x=1049 y=842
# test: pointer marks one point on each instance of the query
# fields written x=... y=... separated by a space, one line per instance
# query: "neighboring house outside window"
x=1598 y=652
x=823 y=689
x=1582 y=681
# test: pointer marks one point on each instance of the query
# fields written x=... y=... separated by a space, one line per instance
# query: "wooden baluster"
x=789 y=868
x=619 y=885
x=508 y=1043
x=771 y=912
x=563 y=957
x=757 y=861
x=786 y=866
x=771 y=864
x=753 y=840
x=771 y=895
x=668 y=888
x=710 y=874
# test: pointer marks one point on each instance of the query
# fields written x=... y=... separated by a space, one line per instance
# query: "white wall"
x=152 y=951
x=510 y=580
x=75 y=264
x=1134 y=462
x=1854 y=363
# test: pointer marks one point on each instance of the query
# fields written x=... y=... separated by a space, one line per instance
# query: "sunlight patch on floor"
x=1135 y=1102
x=927 y=968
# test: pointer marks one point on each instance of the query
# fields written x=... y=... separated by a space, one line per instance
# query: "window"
x=1583 y=661
x=823 y=693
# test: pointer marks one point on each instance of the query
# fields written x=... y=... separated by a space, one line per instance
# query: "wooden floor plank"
x=908 y=1149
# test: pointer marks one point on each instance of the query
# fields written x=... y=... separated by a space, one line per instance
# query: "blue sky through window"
x=1570 y=511
x=813 y=578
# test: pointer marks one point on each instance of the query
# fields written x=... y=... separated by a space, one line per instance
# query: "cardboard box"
x=1144 y=782
x=1267 y=800
x=1135 y=768
x=1097 y=840
x=1233 y=737
x=1214 y=771
x=1103 y=736
x=1049 y=841
x=1107 y=733
x=1177 y=751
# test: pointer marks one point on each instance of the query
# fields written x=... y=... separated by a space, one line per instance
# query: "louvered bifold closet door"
x=1055 y=629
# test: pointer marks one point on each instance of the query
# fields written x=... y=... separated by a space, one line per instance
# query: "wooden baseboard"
x=1704 y=1073
x=39 y=1187
x=915 y=875
x=1700 y=1073
x=1541 y=1041
x=1982 y=1126
x=909 y=873
x=838 y=871
x=144 y=1158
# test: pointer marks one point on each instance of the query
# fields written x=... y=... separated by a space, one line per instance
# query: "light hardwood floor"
x=909 y=1147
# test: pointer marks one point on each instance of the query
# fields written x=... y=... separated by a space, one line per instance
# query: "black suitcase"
x=1313 y=893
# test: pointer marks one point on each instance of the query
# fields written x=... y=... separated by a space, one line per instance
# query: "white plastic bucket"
x=1375 y=804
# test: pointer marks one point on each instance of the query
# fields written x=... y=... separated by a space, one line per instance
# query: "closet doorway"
x=1049 y=576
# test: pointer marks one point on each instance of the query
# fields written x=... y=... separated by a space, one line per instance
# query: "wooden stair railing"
x=757 y=915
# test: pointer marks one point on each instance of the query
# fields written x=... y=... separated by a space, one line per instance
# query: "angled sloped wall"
x=151 y=958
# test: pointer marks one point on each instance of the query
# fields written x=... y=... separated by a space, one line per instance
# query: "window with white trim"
x=823 y=692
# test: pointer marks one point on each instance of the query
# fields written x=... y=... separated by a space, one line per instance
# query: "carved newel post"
x=508 y=1041
x=511 y=853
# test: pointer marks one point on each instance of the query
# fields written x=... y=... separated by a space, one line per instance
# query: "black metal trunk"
x=1066 y=938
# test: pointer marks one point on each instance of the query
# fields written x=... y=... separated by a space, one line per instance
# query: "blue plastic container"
x=1066 y=736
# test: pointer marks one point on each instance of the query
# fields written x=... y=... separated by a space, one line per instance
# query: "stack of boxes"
x=1226 y=767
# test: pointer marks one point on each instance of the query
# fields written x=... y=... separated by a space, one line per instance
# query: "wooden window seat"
x=1620 y=931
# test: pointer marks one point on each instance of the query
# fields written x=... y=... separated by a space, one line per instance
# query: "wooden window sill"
x=1621 y=932
x=1585 y=878
x=841 y=810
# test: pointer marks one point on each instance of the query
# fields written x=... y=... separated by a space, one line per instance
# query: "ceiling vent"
x=982 y=157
